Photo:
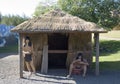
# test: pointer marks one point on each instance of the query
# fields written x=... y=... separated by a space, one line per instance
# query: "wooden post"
x=21 y=55
x=44 y=67
x=96 y=37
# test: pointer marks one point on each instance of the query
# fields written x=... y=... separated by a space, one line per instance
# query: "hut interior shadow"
x=57 y=41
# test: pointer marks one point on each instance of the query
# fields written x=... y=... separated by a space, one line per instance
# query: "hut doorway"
x=57 y=50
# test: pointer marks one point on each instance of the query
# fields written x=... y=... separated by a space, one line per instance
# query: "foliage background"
x=98 y=11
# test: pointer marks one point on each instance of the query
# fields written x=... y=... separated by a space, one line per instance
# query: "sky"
x=19 y=7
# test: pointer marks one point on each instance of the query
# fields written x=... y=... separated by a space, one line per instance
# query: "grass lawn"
x=111 y=34
x=110 y=62
x=9 y=49
x=109 y=55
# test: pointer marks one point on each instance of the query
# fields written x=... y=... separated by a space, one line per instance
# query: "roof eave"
x=55 y=31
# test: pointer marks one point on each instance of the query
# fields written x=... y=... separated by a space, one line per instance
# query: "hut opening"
x=57 y=50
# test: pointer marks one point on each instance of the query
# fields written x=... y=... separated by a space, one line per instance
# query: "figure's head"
x=27 y=40
x=79 y=56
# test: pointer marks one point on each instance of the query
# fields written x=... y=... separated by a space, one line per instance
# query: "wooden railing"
x=57 y=51
x=66 y=51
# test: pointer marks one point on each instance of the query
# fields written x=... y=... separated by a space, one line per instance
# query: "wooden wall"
x=38 y=41
x=79 y=42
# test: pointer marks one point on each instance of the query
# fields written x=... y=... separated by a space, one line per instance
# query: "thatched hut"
x=57 y=37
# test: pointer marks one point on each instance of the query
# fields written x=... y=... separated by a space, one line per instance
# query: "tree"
x=13 y=19
x=44 y=7
x=98 y=11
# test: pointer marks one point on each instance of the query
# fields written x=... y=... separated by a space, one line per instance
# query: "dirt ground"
x=9 y=74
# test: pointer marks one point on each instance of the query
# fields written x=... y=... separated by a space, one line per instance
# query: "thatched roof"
x=57 y=21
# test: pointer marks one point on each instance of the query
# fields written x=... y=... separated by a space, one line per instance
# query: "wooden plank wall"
x=79 y=42
x=38 y=41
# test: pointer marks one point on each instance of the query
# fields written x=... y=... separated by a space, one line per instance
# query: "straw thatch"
x=79 y=42
x=57 y=21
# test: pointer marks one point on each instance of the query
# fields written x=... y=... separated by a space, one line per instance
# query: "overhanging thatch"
x=57 y=21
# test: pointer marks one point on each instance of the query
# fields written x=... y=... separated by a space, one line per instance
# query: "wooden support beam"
x=96 y=38
x=44 y=67
x=57 y=51
x=21 y=55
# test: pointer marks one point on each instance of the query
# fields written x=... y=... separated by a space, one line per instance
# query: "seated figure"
x=78 y=63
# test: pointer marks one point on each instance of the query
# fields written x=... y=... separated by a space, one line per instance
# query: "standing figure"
x=28 y=55
x=81 y=64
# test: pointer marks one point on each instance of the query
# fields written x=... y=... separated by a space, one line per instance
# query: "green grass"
x=9 y=49
x=110 y=51
x=109 y=47
x=109 y=55
x=111 y=62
